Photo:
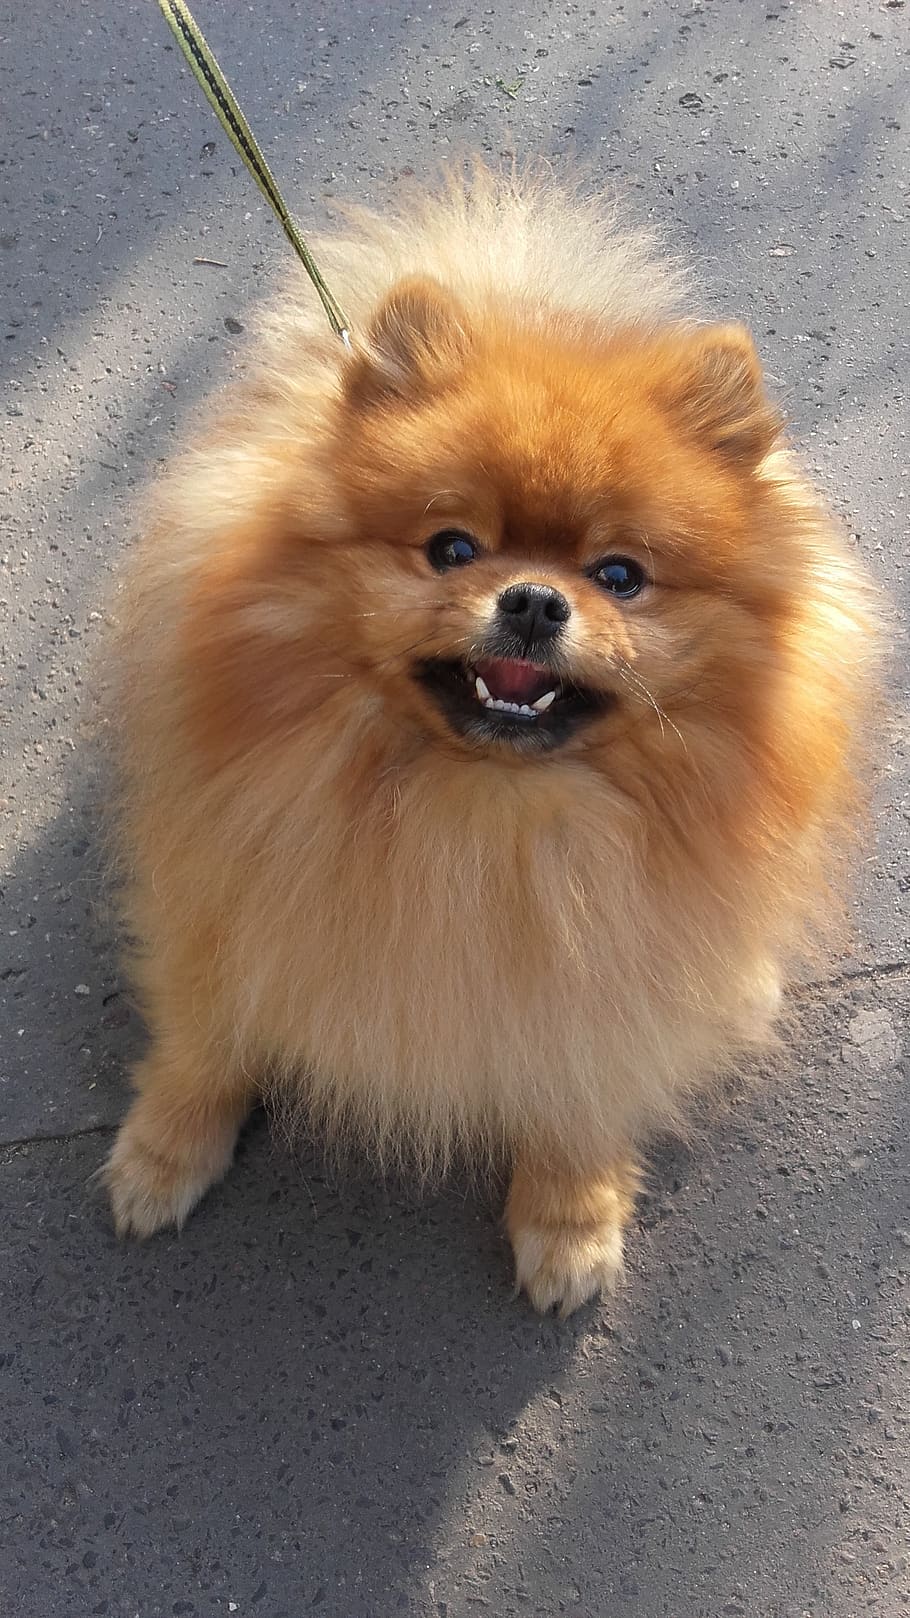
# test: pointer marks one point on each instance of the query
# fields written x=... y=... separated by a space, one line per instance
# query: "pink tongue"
x=513 y=680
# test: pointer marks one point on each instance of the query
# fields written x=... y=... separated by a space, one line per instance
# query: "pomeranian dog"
x=489 y=697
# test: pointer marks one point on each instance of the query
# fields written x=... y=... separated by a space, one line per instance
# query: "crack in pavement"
x=856 y=974
x=51 y=1140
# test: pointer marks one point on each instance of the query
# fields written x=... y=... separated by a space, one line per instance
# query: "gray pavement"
x=319 y=1397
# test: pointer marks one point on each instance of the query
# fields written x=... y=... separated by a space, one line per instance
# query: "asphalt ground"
x=319 y=1397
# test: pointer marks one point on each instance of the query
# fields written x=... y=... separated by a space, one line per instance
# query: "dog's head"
x=518 y=539
x=554 y=531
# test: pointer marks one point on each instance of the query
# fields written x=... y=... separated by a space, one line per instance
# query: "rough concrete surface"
x=319 y=1397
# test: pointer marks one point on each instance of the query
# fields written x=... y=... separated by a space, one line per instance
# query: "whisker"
x=638 y=690
x=643 y=540
x=442 y=494
x=632 y=679
x=408 y=606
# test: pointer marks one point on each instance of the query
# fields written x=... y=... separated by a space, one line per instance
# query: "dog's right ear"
x=416 y=339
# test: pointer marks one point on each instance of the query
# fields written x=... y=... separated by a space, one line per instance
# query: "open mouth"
x=524 y=690
x=509 y=699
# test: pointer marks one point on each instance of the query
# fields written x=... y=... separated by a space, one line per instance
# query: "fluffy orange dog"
x=489 y=699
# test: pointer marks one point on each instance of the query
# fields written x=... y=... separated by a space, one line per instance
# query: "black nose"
x=534 y=611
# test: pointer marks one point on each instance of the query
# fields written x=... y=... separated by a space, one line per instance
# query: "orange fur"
x=437 y=943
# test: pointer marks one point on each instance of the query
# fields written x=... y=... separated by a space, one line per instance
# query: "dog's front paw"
x=566 y=1267
x=150 y=1187
x=566 y=1231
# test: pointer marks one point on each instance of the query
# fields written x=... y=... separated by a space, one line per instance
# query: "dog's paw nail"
x=561 y=1269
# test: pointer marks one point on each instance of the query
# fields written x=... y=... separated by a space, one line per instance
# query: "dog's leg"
x=179 y=1136
x=566 y=1229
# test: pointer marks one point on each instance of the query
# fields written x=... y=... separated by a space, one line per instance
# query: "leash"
x=218 y=92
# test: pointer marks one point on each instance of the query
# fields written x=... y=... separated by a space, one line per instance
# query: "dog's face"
x=523 y=543
x=551 y=536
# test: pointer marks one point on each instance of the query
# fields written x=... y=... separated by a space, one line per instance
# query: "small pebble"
x=82 y=988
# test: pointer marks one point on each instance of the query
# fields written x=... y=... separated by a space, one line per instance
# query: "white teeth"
x=543 y=703
x=523 y=711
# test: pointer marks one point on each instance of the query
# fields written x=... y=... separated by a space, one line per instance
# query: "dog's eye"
x=451 y=548
x=620 y=575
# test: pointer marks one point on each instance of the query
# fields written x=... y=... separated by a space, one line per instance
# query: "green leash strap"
x=192 y=42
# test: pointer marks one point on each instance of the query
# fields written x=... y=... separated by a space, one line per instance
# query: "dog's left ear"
x=416 y=339
x=718 y=387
